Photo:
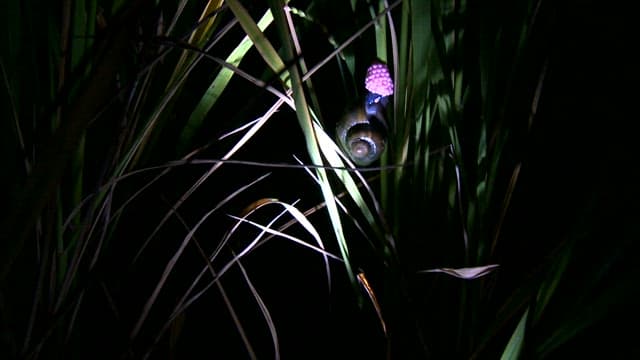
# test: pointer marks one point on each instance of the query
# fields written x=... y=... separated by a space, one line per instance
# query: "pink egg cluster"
x=378 y=80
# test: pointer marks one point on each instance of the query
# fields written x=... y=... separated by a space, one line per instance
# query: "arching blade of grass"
x=171 y=264
x=516 y=342
x=197 y=38
x=362 y=279
x=245 y=138
x=320 y=250
x=306 y=224
x=264 y=310
x=578 y=319
x=82 y=34
x=200 y=36
x=218 y=85
x=550 y=283
x=340 y=204
x=305 y=121
x=161 y=108
x=188 y=298
x=228 y=303
x=262 y=44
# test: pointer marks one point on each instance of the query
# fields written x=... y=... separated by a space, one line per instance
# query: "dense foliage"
x=172 y=184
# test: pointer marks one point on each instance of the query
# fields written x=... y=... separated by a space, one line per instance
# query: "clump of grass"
x=142 y=198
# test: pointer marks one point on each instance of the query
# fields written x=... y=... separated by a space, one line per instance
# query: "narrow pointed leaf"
x=464 y=273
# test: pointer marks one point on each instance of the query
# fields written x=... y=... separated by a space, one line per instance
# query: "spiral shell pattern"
x=362 y=136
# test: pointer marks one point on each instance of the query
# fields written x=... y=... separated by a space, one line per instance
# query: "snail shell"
x=362 y=134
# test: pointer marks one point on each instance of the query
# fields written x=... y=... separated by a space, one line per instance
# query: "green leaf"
x=514 y=347
x=260 y=41
x=218 y=85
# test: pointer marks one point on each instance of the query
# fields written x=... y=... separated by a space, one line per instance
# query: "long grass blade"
x=262 y=44
x=514 y=346
x=250 y=133
x=174 y=259
x=218 y=85
x=264 y=310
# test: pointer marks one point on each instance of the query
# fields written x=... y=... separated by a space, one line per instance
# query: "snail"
x=362 y=135
x=362 y=132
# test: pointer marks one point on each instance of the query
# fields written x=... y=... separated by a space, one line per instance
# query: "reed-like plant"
x=174 y=183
